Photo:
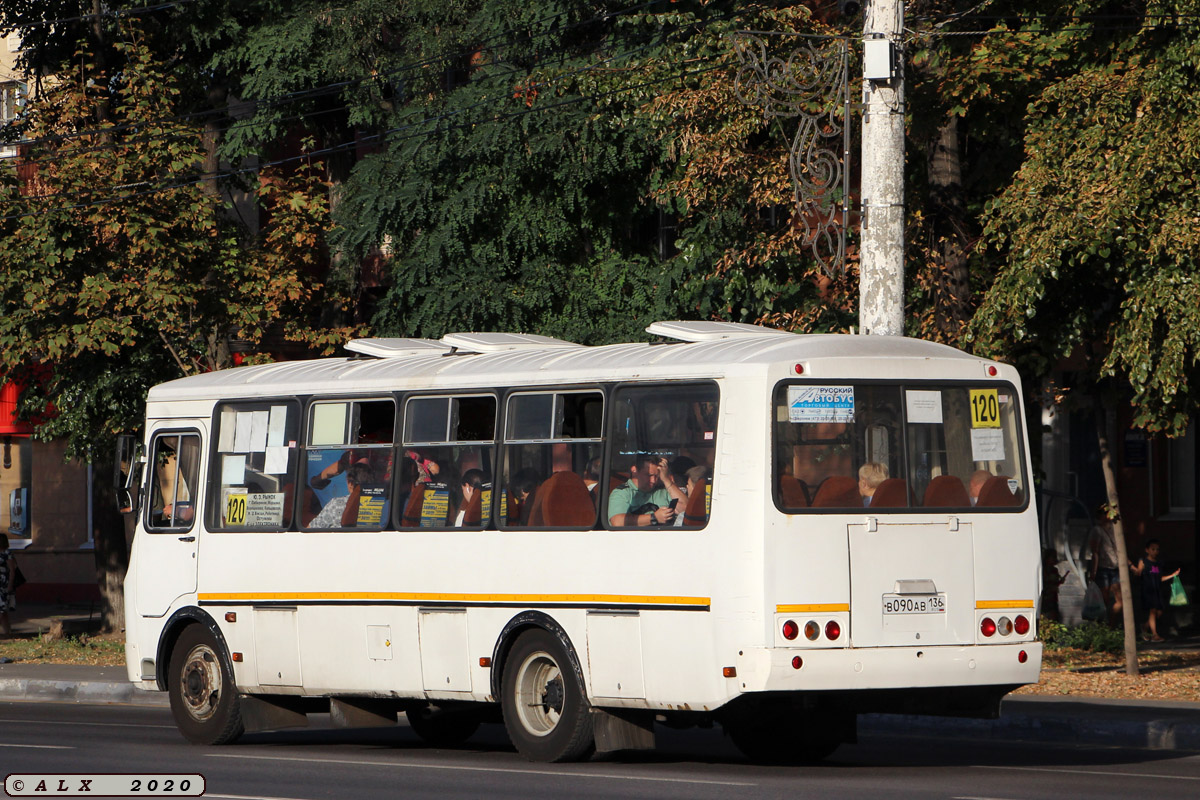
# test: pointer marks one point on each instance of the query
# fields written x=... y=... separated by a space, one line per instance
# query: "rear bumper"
x=772 y=670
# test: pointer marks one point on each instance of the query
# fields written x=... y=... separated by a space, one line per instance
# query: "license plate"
x=914 y=604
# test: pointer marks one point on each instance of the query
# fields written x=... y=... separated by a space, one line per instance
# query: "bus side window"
x=348 y=464
x=253 y=472
x=447 y=461
x=663 y=454
x=175 y=468
x=553 y=442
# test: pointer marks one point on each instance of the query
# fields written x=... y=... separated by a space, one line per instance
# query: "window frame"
x=308 y=404
x=213 y=510
x=902 y=386
x=402 y=444
x=152 y=481
x=610 y=423
x=500 y=520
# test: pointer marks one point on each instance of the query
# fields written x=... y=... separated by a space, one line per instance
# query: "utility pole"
x=881 y=271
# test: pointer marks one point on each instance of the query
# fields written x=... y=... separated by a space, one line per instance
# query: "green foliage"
x=1093 y=636
x=1097 y=233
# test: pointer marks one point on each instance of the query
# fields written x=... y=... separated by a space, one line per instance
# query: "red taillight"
x=799 y=369
x=832 y=630
x=811 y=630
x=797 y=662
x=790 y=630
x=1021 y=624
x=992 y=371
x=987 y=627
x=1022 y=656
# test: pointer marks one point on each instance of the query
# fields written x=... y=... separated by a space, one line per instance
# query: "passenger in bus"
x=591 y=474
x=870 y=475
x=645 y=499
x=172 y=504
x=978 y=478
x=470 y=488
x=358 y=474
x=521 y=490
x=695 y=478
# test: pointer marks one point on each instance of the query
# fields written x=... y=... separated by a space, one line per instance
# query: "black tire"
x=781 y=740
x=443 y=727
x=546 y=711
x=204 y=700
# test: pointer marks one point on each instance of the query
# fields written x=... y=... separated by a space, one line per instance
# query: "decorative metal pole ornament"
x=812 y=83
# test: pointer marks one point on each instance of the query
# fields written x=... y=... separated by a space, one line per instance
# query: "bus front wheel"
x=546 y=711
x=204 y=700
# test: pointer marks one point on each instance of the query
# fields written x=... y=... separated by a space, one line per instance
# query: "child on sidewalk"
x=1153 y=578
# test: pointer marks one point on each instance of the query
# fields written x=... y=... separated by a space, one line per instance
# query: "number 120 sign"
x=985 y=408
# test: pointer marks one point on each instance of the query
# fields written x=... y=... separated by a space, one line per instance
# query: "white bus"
x=770 y=531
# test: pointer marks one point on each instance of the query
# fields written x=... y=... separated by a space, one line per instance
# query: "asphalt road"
x=321 y=762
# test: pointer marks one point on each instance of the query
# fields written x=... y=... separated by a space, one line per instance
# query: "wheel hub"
x=552 y=696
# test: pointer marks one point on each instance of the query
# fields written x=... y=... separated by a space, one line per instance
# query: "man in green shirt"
x=650 y=485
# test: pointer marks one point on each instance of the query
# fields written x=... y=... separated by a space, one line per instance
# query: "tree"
x=117 y=271
x=1097 y=235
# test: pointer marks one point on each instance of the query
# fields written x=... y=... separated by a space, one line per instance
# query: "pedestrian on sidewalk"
x=1103 y=566
x=8 y=580
x=1153 y=577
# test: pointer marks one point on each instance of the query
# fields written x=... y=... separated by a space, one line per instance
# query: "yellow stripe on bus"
x=437 y=597
x=1017 y=604
x=813 y=608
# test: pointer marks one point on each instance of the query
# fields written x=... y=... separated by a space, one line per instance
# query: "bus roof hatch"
x=710 y=331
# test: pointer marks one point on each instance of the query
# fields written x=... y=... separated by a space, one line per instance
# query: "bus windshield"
x=851 y=445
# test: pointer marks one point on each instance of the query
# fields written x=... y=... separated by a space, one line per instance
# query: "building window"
x=1181 y=469
x=12 y=99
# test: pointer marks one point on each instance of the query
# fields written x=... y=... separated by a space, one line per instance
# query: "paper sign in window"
x=985 y=408
x=241 y=437
x=264 y=510
x=924 y=406
x=276 y=461
x=258 y=431
x=228 y=430
x=371 y=506
x=820 y=404
x=987 y=444
x=233 y=470
x=328 y=424
x=277 y=427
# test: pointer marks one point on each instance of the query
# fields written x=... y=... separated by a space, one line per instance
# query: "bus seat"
x=946 y=491
x=793 y=492
x=563 y=500
x=696 y=511
x=891 y=493
x=309 y=508
x=995 y=492
x=411 y=517
x=838 y=491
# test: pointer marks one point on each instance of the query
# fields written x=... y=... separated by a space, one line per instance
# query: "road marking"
x=412 y=765
x=6 y=720
x=247 y=797
x=39 y=746
x=1099 y=772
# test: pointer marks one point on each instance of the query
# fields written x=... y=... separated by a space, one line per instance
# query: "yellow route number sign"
x=235 y=509
x=985 y=408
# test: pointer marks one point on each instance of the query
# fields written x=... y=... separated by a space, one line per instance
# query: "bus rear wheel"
x=546 y=711
x=204 y=700
x=442 y=727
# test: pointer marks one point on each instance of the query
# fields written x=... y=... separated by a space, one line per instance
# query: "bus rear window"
x=842 y=446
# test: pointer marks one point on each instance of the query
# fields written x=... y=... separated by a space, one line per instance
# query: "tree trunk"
x=1103 y=438
x=952 y=302
x=112 y=550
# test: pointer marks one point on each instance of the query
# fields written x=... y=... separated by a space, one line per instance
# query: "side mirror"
x=127 y=473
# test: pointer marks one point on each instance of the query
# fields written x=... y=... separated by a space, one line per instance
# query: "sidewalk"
x=1089 y=722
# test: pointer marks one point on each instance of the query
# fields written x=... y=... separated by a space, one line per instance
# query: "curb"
x=33 y=689
x=1149 y=733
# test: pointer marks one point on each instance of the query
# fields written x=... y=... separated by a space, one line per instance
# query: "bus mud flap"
x=622 y=729
x=262 y=713
x=361 y=713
